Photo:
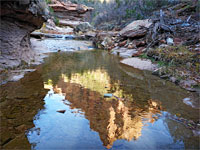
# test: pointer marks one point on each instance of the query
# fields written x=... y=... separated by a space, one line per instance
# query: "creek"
x=61 y=105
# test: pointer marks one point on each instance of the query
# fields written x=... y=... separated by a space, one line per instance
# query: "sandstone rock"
x=177 y=41
x=139 y=43
x=51 y=23
x=100 y=37
x=131 y=46
x=136 y=29
x=90 y=35
x=124 y=52
x=137 y=54
x=70 y=11
x=107 y=42
x=83 y=27
x=17 y=21
x=173 y=79
x=139 y=64
x=163 y=41
x=139 y=51
x=123 y=43
x=188 y=83
x=69 y=23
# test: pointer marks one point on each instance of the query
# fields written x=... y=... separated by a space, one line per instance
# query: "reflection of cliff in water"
x=20 y=102
x=112 y=119
x=141 y=84
x=95 y=73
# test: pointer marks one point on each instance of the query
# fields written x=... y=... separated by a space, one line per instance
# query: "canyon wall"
x=18 y=19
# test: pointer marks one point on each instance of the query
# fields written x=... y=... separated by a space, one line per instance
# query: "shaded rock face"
x=18 y=19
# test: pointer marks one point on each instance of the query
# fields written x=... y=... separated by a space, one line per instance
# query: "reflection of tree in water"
x=70 y=63
x=138 y=86
x=112 y=119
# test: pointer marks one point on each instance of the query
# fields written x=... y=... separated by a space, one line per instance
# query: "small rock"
x=188 y=65
x=131 y=46
x=122 y=43
x=163 y=46
x=188 y=83
x=188 y=101
x=139 y=43
x=196 y=132
x=107 y=42
x=164 y=76
x=124 y=52
x=173 y=79
x=128 y=53
x=156 y=72
x=163 y=41
x=116 y=44
x=108 y=95
x=61 y=111
x=137 y=54
x=177 y=41
x=197 y=49
x=170 y=41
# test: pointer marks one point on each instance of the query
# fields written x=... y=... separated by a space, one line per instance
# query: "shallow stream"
x=61 y=105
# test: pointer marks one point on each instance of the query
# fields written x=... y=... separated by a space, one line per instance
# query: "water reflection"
x=83 y=78
x=137 y=119
x=113 y=119
x=19 y=103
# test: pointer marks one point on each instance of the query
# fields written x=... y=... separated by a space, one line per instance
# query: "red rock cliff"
x=18 y=19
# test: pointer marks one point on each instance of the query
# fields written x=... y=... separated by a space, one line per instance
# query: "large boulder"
x=18 y=19
x=83 y=27
x=137 y=28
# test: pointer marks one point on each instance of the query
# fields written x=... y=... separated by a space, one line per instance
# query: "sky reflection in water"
x=72 y=131
x=94 y=122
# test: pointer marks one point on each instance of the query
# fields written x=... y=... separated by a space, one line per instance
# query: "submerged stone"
x=108 y=95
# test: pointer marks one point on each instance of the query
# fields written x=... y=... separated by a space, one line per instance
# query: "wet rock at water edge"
x=139 y=64
x=124 y=52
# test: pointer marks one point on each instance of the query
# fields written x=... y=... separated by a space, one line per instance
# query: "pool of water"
x=62 y=106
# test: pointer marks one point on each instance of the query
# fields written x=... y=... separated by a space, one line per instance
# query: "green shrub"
x=51 y=10
x=48 y=1
x=56 y=21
